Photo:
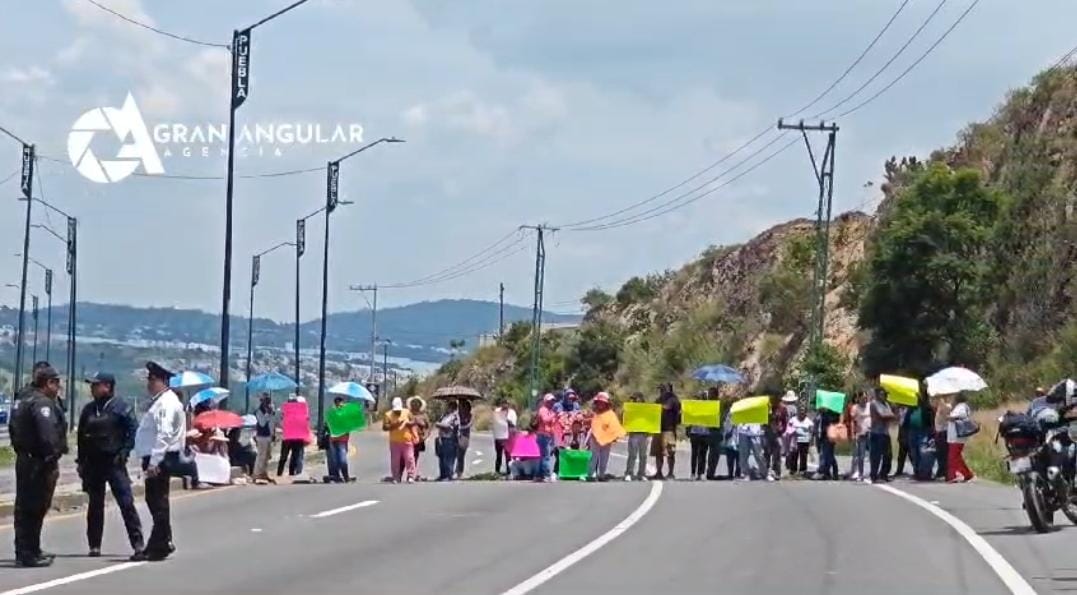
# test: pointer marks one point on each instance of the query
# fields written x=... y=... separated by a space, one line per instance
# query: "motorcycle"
x=1043 y=460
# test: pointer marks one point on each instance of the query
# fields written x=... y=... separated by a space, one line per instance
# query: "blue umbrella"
x=215 y=394
x=351 y=390
x=273 y=381
x=190 y=381
x=718 y=373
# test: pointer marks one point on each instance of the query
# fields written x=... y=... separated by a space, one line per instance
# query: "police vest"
x=102 y=430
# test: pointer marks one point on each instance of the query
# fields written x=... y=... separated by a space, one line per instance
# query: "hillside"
x=971 y=259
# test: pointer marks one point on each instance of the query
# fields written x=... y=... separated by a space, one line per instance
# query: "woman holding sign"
x=605 y=430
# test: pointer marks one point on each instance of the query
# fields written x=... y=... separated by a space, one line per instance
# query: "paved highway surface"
x=570 y=537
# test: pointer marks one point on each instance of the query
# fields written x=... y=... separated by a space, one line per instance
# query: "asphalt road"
x=566 y=537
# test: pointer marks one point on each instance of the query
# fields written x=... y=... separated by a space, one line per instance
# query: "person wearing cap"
x=420 y=426
x=600 y=453
x=106 y=436
x=464 y=436
x=546 y=432
x=401 y=442
x=38 y=432
x=29 y=388
x=159 y=440
x=265 y=417
x=504 y=424
x=336 y=453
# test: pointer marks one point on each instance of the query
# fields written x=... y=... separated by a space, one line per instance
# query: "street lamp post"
x=48 y=307
x=71 y=242
x=240 y=90
x=332 y=174
x=34 y=302
x=29 y=160
x=256 y=268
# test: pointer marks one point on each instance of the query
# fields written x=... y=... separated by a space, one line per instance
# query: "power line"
x=159 y=31
x=11 y=175
x=449 y=274
x=274 y=174
x=463 y=263
x=12 y=135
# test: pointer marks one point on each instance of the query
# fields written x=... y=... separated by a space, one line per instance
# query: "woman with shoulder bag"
x=959 y=429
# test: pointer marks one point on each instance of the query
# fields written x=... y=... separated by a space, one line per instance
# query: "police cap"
x=101 y=378
x=157 y=371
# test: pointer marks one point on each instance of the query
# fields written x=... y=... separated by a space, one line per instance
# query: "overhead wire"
x=148 y=27
x=476 y=258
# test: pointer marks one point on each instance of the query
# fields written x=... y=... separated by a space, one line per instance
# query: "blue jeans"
x=881 y=457
x=860 y=455
x=446 y=451
x=828 y=464
x=545 y=444
x=336 y=458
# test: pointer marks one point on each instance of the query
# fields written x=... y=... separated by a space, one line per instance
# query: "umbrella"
x=273 y=381
x=214 y=394
x=718 y=373
x=218 y=418
x=457 y=392
x=190 y=381
x=951 y=381
x=351 y=390
x=249 y=421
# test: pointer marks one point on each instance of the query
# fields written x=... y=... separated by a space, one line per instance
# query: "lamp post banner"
x=241 y=67
x=27 y=170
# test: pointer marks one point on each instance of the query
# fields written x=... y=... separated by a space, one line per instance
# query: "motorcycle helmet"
x=1046 y=416
x=1063 y=392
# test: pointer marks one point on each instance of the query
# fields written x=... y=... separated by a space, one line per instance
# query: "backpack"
x=1018 y=425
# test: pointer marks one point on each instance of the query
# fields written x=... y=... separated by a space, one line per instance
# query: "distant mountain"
x=420 y=331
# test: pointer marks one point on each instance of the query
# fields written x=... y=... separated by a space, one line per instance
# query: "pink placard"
x=295 y=420
x=524 y=446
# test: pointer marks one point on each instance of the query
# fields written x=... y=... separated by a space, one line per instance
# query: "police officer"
x=106 y=436
x=39 y=436
x=29 y=388
x=159 y=440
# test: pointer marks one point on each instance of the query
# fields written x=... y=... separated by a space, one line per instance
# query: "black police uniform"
x=106 y=436
x=38 y=432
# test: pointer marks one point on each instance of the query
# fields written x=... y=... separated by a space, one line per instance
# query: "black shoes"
x=39 y=561
x=95 y=552
x=156 y=555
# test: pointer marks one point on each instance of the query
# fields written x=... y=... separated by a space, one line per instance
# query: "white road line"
x=565 y=563
x=1007 y=573
x=72 y=579
x=323 y=514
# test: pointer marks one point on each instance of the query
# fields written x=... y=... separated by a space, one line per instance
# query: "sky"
x=514 y=113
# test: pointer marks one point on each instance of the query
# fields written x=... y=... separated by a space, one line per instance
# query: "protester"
x=637 y=449
x=941 y=426
x=714 y=437
x=504 y=424
x=464 y=439
x=699 y=442
x=106 y=436
x=445 y=445
x=955 y=460
x=38 y=432
x=904 y=450
x=918 y=422
x=881 y=452
x=860 y=429
x=797 y=461
x=160 y=441
x=420 y=427
x=664 y=445
x=292 y=450
x=777 y=422
x=401 y=442
x=265 y=418
x=600 y=453
x=546 y=433
x=751 y=444
x=336 y=452
x=573 y=422
x=828 y=462
x=524 y=467
x=731 y=437
x=788 y=437
x=242 y=452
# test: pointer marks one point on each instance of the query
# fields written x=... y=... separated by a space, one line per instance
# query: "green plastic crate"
x=575 y=464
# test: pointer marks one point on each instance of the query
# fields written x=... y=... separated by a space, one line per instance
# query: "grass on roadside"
x=7 y=456
x=985 y=455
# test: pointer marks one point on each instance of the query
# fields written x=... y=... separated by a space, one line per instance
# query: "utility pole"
x=501 y=312
x=28 y=162
x=824 y=176
x=300 y=248
x=373 y=325
x=48 y=316
x=385 y=366
x=256 y=275
x=536 y=312
x=34 y=307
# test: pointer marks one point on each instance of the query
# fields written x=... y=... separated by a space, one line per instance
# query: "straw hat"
x=417 y=398
x=602 y=398
x=790 y=397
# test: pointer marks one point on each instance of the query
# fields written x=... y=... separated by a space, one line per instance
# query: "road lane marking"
x=72 y=579
x=568 y=561
x=1007 y=573
x=323 y=514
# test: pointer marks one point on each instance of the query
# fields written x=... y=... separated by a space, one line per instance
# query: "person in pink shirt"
x=547 y=428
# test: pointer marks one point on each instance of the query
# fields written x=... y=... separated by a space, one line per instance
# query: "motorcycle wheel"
x=1041 y=517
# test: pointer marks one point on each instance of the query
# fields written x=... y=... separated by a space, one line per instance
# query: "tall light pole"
x=241 y=73
x=256 y=269
x=332 y=182
x=29 y=161
x=71 y=242
x=48 y=315
x=385 y=343
x=34 y=302
x=373 y=325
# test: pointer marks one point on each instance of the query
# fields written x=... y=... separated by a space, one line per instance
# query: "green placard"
x=345 y=419
x=574 y=464
x=825 y=399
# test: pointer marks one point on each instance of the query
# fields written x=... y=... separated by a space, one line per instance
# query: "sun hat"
x=790 y=397
x=398 y=404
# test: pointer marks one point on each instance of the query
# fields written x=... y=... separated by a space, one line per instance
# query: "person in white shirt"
x=802 y=431
x=159 y=441
x=955 y=459
x=503 y=426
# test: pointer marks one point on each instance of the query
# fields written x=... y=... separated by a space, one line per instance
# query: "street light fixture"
x=48 y=315
x=256 y=268
x=71 y=242
x=332 y=175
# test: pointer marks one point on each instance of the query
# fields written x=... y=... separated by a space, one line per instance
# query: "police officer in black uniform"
x=106 y=436
x=38 y=432
x=29 y=388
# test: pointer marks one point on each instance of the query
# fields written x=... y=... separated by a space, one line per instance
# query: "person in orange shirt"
x=401 y=442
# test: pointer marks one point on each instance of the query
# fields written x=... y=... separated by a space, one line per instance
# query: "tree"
x=825 y=363
x=594 y=357
x=596 y=299
x=926 y=288
x=456 y=345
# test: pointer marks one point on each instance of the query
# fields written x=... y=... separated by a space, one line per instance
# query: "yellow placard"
x=901 y=390
x=606 y=428
x=752 y=410
x=645 y=418
x=705 y=414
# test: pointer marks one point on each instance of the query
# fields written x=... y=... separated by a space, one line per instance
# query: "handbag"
x=837 y=433
x=965 y=427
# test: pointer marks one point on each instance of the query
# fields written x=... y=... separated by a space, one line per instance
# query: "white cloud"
x=29 y=75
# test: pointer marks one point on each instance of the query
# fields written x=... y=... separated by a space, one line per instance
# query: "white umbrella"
x=214 y=394
x=950 y=381
x=351 y=390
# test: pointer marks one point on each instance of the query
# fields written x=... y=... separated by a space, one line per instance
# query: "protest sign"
x=834 y=401
x=295 y=420
x=750 y=410
x=705 y=414
x=606 y=428
x=345 y=419
x=645 y=418
x=901 y=390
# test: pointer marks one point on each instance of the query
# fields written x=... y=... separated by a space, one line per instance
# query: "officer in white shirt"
x=160 y=441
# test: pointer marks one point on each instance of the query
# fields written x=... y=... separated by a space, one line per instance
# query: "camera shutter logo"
x=129 y=127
